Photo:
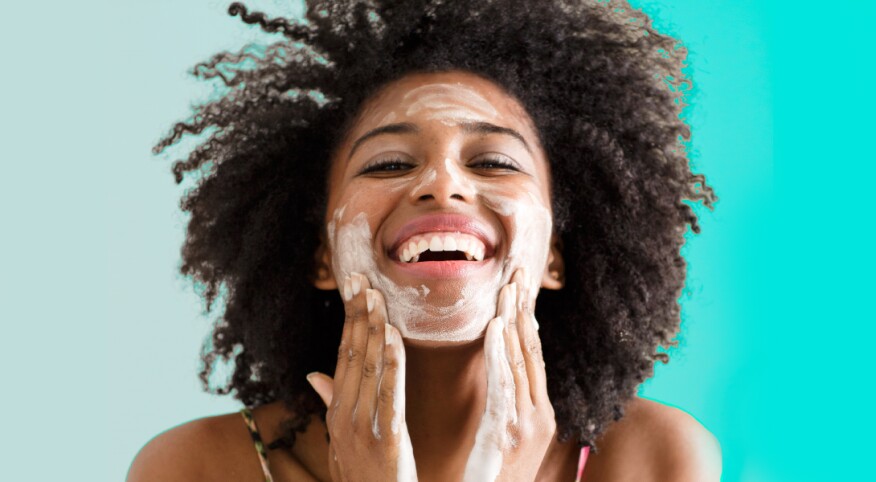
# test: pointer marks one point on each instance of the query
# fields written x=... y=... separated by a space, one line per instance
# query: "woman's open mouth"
x=441 y=247
x=446 y=245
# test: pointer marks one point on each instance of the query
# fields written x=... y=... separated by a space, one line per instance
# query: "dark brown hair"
x=605 y=91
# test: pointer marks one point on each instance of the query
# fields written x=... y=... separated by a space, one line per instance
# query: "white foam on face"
x=425 y=179
x=448 y=103
x=466 y=318
x=531 y=237
x=410 y=308
x=451 y=167
x=407 y=306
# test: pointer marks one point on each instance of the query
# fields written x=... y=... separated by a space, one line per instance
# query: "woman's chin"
x=445 y=330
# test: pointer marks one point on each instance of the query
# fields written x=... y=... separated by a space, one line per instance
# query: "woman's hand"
x=366 y=400
x=518 y=423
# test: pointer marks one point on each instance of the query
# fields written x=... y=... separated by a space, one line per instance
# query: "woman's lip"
x=436 y=223
x=441 y=269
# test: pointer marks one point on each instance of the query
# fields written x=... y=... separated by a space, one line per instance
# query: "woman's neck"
x=446 y=393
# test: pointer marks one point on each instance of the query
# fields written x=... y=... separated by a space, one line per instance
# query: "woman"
x=472 y=153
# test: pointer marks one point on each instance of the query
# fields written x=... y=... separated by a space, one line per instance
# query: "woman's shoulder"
x=211 y=448
x=654 y=441
x=192 y=450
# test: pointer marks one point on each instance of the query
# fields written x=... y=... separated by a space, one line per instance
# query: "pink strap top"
x=266 y=468
x=582 y=459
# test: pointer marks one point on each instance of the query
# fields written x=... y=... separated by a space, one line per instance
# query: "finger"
x=346 y=342
x=508 y=312
x=323 y=385
x=531 y=345
x=373 y=363
x=357 y=316
x=391 y=395
x=485 y=460
x=334 y=469
x=501 y=404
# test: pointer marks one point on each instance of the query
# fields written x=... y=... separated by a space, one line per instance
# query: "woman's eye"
x=386 y=166
x=494 y=163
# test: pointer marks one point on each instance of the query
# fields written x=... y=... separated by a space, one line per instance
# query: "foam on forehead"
x=447 y=101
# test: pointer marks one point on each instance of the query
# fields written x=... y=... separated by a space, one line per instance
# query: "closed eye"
x=386 y=166
x=495 y=162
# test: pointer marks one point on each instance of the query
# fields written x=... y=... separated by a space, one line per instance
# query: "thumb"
x=323 y=385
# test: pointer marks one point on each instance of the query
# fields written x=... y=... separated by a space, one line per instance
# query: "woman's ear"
x=323 y=277
x=555 y=270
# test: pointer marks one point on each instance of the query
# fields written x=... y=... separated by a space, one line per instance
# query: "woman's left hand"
x=518 y=423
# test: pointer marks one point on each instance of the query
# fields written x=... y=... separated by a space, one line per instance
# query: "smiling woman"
x=453 y=166
x=461 y=174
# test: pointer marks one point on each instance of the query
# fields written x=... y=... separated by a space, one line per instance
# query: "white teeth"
x=449 y=244
x=471 y=246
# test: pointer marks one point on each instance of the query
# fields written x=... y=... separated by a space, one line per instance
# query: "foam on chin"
x=465 y=319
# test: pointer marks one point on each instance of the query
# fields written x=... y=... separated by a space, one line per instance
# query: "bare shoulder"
x=201 y=449
x=663 y=442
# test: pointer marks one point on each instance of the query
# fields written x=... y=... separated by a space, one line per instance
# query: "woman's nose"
x=442 y=183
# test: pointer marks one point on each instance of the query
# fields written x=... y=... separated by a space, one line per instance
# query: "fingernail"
x=535 y=322
x=357 y=283
x=387 y=333
x=348 y=289
x=310 y=377
x=369 y=300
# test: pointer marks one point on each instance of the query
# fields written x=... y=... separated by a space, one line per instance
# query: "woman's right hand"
x=369 y=437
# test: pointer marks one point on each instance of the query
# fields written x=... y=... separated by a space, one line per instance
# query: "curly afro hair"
x=605 y=91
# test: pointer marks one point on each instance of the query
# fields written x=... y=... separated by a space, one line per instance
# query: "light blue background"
x=100 y=336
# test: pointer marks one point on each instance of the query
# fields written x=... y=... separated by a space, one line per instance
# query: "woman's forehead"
x=446 y=97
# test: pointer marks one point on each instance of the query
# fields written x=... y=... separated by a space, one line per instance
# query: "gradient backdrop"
x=100 y=335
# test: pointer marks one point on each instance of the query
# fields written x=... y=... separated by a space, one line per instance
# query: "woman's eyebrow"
x=398 y=128
x=477 y=127
x=484 y=128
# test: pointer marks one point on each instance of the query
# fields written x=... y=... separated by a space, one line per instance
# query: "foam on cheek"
x=466 y=318
x=408 y=310
x=533 y=225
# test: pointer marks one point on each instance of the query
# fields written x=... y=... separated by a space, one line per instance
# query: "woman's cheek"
x=529 y=224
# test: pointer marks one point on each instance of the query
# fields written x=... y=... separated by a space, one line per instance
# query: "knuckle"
x=354 y=354
x=520 y=364
x=390 y=363
x=342 y=350
x=369 y=369
x=386 y=395
x=533 y=347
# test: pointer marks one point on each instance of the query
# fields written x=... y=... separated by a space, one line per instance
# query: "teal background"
x=100 y=335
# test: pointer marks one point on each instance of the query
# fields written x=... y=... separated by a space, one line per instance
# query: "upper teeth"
x=410 y=250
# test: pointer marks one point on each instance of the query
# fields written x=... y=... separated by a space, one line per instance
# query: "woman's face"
x=438 y=193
